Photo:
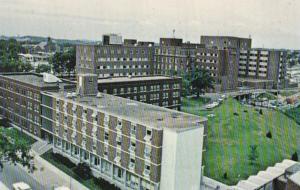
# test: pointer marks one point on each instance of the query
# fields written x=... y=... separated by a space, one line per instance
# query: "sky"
x=270 y=23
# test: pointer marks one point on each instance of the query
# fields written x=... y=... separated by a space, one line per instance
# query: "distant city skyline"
x=271 y=23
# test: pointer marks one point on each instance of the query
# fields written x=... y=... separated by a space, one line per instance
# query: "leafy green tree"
x=64 y=62
x=253 y=155
x=43 y=68
x=201 y=80
x=14 y=149
x=70 y=60
x=186 y=84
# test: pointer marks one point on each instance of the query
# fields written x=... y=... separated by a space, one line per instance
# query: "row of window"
x=106 y=167
x=123 y=67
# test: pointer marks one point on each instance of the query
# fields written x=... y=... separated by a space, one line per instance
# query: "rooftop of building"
x=134 y=111
x=254 y=80
x=135 y=79
x=263 y=178
x=232 y=37
x=33 y=79
x=295 y=178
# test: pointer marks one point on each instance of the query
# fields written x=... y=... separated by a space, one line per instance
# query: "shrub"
x=269 y=135
x=104 y=184
x=253 y=155
x=260 y=112
x=246 y=111
x=65 y=161
x=225 y=175
x=295 y=157
x=83 y=171
x=236 y=114
x=4 y=122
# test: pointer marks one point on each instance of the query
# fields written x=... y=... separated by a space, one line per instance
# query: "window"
x=106 y=135
x=119 y=125
x=147 y=170
x=133 y=129
x=119 y=140
x=147 y=152
x=132 y=163
x=132 y=146
x=148 y=135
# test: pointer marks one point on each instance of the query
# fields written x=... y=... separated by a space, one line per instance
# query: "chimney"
x=87 y=84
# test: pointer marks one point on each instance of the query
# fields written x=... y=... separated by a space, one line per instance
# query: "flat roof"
x=253 y=80
x=236 y=37
x=296 y=178
x=134 y=79
x=134 y=111
x=31 y=78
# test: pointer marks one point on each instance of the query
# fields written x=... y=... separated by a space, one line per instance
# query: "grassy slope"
x=229 y=138
x=294 y=113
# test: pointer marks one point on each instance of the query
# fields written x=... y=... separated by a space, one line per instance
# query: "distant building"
x=263 y=64
x=222 y=64
x=39 y=58
x=172 y=57
x=226 y=42
x=157 y=90
x=130 y=42
x=114 y=60
x=293 y=74
x=112 y=39
x=20 y=98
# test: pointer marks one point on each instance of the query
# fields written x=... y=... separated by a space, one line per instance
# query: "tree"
x=70 y=60
x=83 y=171
x=14 y=149
x=253 y=156
x=295 y=157
x=201 y=81
x=269 y=135
x=64 y=62
x=43 y=68
x=186 y=84
x=57 y=63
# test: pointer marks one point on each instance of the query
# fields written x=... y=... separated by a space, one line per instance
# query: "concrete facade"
x=114 y=60
x=266 y=64
x=20 y=98
x=226 y=42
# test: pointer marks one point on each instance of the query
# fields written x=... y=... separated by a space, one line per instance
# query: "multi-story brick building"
x=20 y=98
x=222 y=65
x=226 y=42
x=173 y=57
x=157 y=90
x=128 y=143
x=264 y=64
x=115 y=60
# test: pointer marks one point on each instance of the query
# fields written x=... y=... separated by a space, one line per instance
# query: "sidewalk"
x=50 y=176
x=46 y=174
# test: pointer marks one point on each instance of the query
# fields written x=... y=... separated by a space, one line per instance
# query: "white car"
x=62 y=188
x=21 y=186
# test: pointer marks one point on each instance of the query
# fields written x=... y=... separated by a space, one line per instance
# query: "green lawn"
x=90 y=183
x=230 y=137
x=294 y=113
x=194 y=105
x=17 y=135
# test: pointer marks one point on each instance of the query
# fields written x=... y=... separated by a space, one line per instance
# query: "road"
x=12 y=174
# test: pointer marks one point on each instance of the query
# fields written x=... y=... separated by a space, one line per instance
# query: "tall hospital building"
x=128 y=143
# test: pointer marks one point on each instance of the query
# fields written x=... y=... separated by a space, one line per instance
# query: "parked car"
x=21 y=186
